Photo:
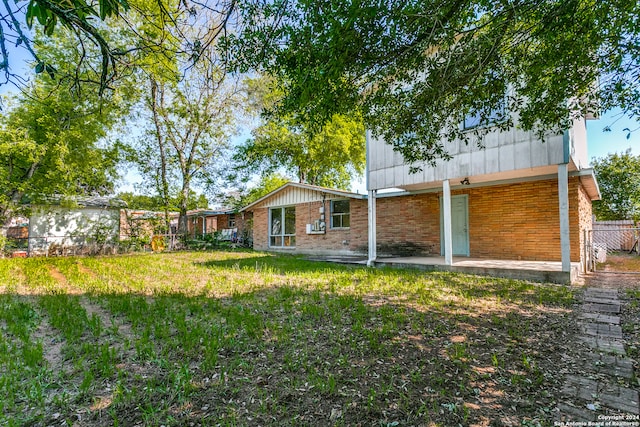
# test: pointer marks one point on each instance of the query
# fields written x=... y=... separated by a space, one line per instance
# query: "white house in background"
x=516 y=199
x=81 y=224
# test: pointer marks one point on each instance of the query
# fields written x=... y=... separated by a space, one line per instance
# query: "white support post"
x=563 y=203
x=446 y=218
x=371 y=202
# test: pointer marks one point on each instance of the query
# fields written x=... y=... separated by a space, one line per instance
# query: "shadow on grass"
x=280 y=356
x=334 y=345
x=410 y=282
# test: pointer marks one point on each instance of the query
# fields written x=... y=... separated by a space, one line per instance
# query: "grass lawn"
x=621 y=261
x=244 y=338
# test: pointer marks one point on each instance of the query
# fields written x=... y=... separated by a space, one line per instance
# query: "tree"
x=328 y=158
x=188 y=106
x=97 y=24
x=416 y=68
x=190 y=124
x=53 y=137
x=155 y=203
x=264 y=186
x=619 y=180
x=50 y=143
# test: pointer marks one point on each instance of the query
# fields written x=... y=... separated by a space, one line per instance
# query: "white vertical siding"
x=296 y=195
x=502 y=153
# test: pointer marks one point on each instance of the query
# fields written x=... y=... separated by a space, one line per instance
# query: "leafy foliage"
x=155 y=203
x=331 y=157
x=189 y=103
x=619 y=180
x=50 y=143
x=125 y=33
x=266 y=185
x=189 y=124
x=417 y=68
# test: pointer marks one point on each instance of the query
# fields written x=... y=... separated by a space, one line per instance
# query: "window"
x=475 y=120
x=282 y=227
x=340 y=214
x=232 y=220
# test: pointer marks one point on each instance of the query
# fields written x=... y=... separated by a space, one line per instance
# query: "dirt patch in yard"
x=52 y=345
x=621 y=262
x=86 y=270
x=612 y=280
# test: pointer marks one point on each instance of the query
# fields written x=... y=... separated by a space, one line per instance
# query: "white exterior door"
x=459 y=225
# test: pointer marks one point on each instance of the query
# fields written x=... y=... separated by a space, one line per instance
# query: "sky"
x=600 y=143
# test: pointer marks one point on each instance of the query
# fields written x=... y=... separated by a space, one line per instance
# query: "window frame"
x=282 y=235
x=497 y=116
x=340 y=215
x=231 y=221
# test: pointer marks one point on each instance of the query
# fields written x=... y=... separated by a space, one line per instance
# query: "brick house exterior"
x=511 y=196
x=513 y=221
x=305 y=205
x=228 y=222
x=518 y=221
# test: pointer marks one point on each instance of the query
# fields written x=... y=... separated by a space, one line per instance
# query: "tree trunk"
x=184 y=202
x=6 y=211
x=164 y=184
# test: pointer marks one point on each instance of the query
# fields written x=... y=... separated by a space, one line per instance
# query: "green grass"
x=244 y=338
x=621 y=261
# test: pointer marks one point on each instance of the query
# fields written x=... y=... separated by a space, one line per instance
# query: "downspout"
x=371 y=208
x=563 y=204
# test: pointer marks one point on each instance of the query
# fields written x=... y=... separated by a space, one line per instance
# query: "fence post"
x=584 y=252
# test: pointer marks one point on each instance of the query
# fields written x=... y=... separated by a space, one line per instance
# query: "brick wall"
x=408 y=225
x=584 y=221
x=261 y=229
x=514 y=221
x=348 y=240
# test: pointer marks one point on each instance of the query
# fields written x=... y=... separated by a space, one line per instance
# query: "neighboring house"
x=309 y=219
x=14 y=236
x=229 y=225
x=516 y=199
x=138 y=223
x=78 y=225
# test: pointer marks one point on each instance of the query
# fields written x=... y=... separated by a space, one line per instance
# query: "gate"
x=613 y=248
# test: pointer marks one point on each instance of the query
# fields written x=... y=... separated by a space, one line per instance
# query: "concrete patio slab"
x=538 y=271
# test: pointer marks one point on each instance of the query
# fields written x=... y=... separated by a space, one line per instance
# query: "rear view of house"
x=310 y=219
x=516 y=198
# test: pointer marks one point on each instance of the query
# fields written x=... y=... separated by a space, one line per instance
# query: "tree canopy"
x=331 y=157
x=619 y=180
x=187 y=112
x=53 y=137
x=50 y=144
x=155 y=203
x=416 y=68
x=123 y=34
